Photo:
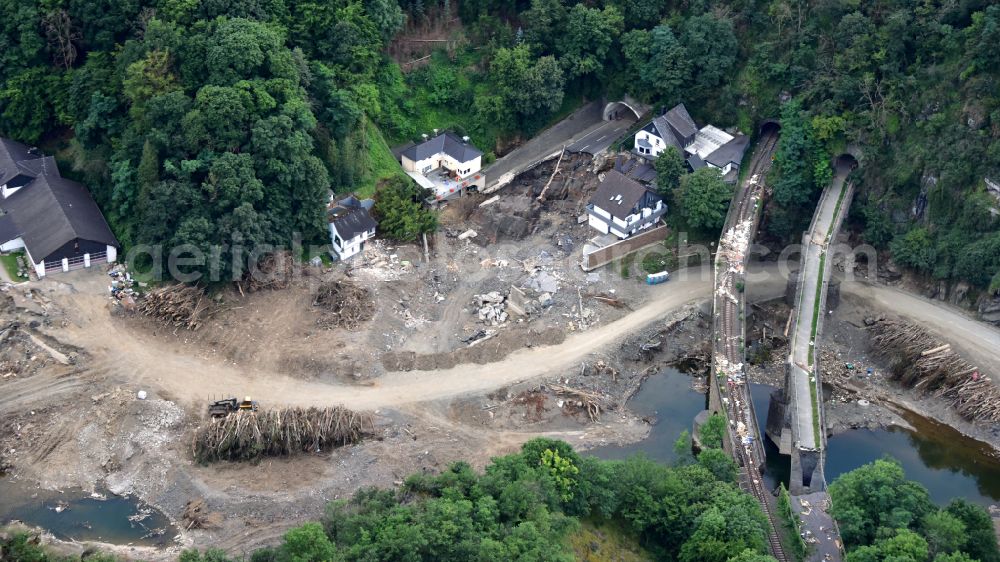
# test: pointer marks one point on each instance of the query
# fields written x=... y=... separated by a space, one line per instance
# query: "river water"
x=76 y=515
x=947 y=463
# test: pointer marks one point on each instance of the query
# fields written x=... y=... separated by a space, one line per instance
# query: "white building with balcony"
x=622 y=206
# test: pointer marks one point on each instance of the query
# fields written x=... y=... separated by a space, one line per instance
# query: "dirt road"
x=979 y=341
x=143 y=361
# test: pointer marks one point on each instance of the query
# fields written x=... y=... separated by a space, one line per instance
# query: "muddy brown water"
x=940 y=458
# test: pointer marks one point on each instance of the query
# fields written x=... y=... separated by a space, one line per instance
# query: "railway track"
x=727 y=345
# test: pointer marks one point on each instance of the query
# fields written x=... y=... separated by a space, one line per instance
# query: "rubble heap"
x=491 y=308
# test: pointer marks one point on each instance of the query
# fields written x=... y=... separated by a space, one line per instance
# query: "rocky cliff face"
x=989 y=309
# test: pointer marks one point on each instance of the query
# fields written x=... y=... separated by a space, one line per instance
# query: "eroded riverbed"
x=947 y=463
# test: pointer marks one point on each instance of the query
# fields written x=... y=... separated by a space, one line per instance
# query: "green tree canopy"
x=704 y=199
x=399 y=209
x=670 y=167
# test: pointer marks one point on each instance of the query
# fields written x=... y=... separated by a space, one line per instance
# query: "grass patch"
x=381 y=164
x=9 y=262
x=606 y=541
x=790 y=525
x=655 y=262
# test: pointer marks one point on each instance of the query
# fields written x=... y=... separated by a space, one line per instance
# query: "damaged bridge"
x=795 y=416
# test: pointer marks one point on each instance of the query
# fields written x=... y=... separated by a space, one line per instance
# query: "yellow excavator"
x=222 y=408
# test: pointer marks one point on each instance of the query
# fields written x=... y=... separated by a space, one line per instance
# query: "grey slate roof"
x=8 y=229
x=695 y=162
x=351 y=222
x=12 y=152
x=38 y=166
x=634 y=195
x=732 y=152
x=635 y=169
x=52 y=211
x=352 y=201
x=446 y=142
x=644 y=173
x=659 y=127
x=680 y=121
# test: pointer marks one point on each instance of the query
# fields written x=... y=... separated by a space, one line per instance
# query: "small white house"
x=674 y=128
x=445 y=164
x=54 y=220
x=622 y=206
x=351 y=226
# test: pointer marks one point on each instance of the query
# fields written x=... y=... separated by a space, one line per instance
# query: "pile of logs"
x=927 y=365
x=250 y=435
x=343 y=304
x=178 y=305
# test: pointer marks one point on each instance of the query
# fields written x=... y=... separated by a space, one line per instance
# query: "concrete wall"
x=621 y=249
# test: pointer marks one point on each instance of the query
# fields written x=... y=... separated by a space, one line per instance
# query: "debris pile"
x=178 y=305
x=380 y=262
x=122 y=287
x=592 y=402
x=273 y=271
x=927 y=365
x=198 y=517
x=252 y=435
x=491 y=308
x=344 y=305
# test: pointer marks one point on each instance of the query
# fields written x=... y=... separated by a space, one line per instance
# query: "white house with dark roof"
x=708 y=146
x=53 y=219
x=351 y=226
x=622 y=206
x=446 y=164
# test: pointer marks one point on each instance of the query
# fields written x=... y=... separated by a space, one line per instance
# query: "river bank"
x=859 y=392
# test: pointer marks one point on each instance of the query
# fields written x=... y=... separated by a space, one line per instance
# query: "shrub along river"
x=946 y=462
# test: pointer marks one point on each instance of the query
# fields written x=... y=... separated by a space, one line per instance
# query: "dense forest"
x=225 y=123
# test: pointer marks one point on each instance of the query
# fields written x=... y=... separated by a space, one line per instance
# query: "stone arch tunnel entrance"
x=625 y=108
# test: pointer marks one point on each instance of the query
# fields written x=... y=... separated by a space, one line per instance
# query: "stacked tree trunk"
x=343 y=304
x=251 y=435
x=178 y=305
x=927 y=365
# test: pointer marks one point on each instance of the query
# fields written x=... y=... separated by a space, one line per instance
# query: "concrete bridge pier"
x=779 y=428
x=807 y=472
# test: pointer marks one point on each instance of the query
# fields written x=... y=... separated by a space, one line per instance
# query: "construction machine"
x=222 y=408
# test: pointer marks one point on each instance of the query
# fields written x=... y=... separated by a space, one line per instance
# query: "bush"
x=655 y=262
x=400 y=211
x=713 y=431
